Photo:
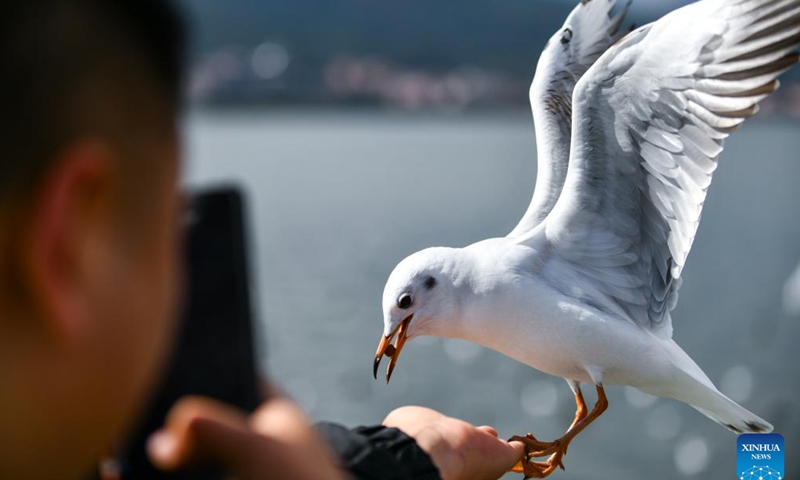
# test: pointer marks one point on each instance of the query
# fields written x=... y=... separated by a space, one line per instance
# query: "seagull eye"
x=567 y=36
x=405 y=301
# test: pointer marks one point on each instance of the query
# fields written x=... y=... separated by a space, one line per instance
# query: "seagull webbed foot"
x=558 y=448
x=537 y=449
x=533 y=446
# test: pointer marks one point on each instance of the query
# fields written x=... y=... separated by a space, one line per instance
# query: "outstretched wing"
x=649 y=123
x=587 y=33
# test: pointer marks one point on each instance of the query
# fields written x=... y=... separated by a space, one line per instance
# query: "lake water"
x=337 y=199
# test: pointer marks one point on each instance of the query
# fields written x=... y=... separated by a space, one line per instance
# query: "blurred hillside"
x=408 y=54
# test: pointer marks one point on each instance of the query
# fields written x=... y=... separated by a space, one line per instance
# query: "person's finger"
x=197 y=430
x=519 y=446
x=201 y=431
x=490 y=430
x=500 y=456
x=282 y=419
x=515 y=449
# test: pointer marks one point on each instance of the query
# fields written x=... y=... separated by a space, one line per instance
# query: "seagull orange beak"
x=385 y=347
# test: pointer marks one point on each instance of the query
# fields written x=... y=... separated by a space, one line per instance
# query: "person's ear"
x=67 y=230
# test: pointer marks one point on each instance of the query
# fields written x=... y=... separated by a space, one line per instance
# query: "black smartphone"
x=215 y=354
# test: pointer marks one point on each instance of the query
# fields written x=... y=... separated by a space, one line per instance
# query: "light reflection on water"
x=737 y=383
x=664 y=422
x=692 y=456
x=338 y=199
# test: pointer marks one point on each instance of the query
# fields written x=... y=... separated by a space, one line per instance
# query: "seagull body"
x=629 y=131
x=499 y=305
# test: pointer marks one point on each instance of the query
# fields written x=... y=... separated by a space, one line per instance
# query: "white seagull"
x=583 y=287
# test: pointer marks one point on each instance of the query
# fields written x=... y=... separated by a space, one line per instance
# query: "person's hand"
x=458 y=449
x=276 y=442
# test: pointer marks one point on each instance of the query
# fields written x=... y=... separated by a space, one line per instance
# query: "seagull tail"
x=695 y=388
x=731 y=415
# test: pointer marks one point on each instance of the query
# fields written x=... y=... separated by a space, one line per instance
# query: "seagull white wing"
x=587 y=33
x=649 y=122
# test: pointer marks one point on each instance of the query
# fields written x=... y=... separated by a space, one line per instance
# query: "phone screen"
x=215 y=353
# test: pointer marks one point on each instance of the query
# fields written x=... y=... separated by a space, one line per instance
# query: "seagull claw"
x=540 y=469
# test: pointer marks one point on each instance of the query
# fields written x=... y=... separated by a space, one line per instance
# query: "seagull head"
x=420 y=295
x=589 y=30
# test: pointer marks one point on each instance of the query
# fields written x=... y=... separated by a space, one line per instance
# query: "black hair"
x=82 y=67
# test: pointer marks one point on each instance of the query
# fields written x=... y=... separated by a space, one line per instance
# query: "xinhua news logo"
x=760 y=456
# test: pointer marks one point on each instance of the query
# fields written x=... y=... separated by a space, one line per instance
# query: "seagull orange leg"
x=558 y=448
x=581 y=411
x=532 y=445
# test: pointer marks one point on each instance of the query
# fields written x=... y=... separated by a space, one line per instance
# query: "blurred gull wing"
x=649 y=122
x=591 y=28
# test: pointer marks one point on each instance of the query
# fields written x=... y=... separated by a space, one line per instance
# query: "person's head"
x=89 y=215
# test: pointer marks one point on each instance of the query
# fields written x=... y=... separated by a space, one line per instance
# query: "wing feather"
x=649 y=122
x=591 y=28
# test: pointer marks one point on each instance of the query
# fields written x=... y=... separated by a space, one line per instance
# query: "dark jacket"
x=379 y=453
